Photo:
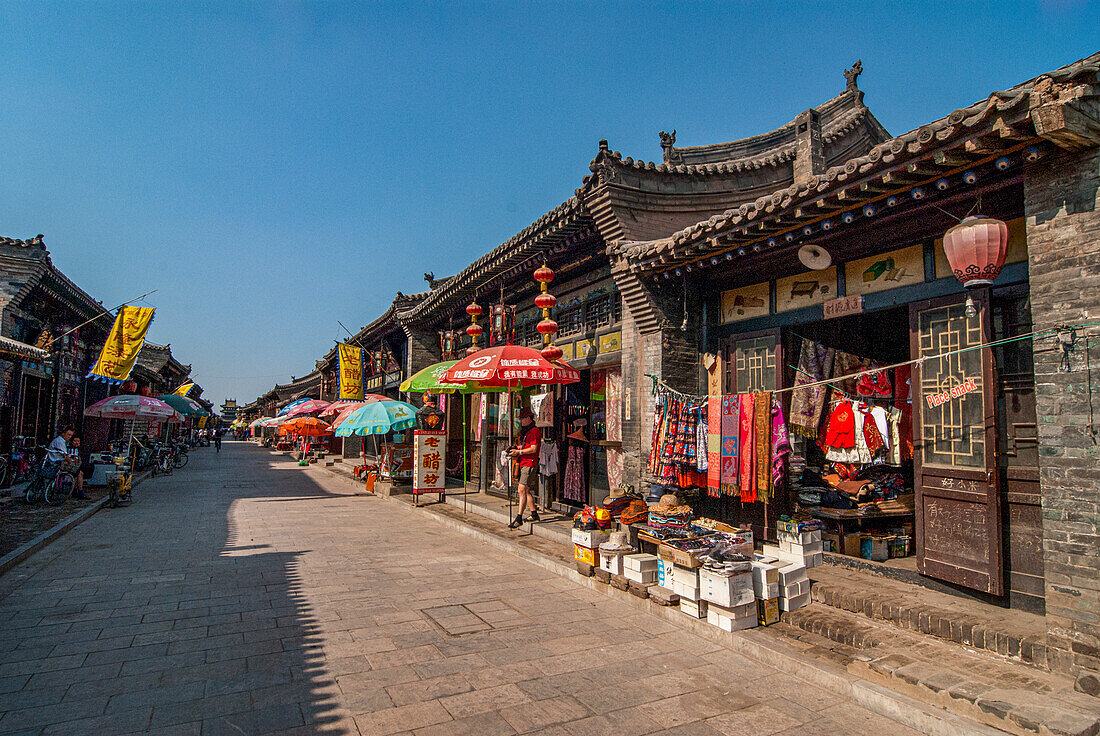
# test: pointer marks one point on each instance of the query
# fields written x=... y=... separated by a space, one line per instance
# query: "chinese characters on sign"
x=842 y=307
x=429 y=474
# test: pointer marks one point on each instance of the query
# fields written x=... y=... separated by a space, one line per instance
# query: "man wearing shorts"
x=527 y=457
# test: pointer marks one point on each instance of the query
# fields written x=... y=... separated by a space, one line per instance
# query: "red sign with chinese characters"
x=430 y=457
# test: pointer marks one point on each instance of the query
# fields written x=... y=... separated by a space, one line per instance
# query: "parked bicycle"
x=54 y=481
x=163 y=460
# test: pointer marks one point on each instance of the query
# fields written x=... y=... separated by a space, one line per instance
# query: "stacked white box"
x=765 y=580
x=666 y=574
x=590 y=539
x=693 y=608
x=735 y=618
x=641 y=568
x=794 y=586
x=728 y=591
x=612 y=562
x=685 y=582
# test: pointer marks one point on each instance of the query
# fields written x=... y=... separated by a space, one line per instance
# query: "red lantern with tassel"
x=473 y=329
x=976 y=249
x=546 y=327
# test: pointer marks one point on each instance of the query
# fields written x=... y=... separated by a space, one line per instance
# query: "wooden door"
x=958 y=514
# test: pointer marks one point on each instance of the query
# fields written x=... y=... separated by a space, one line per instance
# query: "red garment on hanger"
x=841 y=431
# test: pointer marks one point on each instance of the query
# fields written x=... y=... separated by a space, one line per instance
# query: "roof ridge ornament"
x=852 y=75
x=668 y=143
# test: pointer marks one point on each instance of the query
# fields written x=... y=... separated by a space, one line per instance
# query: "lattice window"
x=598 y=313
x=571 y=321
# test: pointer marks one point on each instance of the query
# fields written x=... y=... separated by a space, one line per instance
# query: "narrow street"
x=246 y=595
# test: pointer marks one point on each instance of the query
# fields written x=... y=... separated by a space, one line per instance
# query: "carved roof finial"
x=668 y=140
x=429 y=277
x=852 y=74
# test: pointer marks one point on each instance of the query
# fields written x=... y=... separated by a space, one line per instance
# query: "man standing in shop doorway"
x=527 y=457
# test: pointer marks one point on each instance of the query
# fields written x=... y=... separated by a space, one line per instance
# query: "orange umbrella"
x=306 y=427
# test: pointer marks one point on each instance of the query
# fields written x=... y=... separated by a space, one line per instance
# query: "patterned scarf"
x=748 y=445
x=815 y=363
x=763 y=445
x=731 y=432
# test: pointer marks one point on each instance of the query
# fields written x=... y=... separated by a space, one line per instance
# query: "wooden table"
x=844 y=517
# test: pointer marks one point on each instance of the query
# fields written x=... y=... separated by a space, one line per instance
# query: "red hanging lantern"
x=129 y=387
x=546 y=327
x=473 y=329
x=976 y=249
x=545 y=301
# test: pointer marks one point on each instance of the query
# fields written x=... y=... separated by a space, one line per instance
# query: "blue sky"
x=272 y=168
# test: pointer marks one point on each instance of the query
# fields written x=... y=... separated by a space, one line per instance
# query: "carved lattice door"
x=958 y=515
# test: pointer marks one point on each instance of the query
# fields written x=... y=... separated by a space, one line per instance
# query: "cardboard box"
x=806 y=560
x=587 y=555
x=798 y=526
x=666 y=573
x=640 y=562
x=695 y=609
x=792 y=573
x=794 y=590
x=793 y=604
x=686 y=575
x=874 y=548
x=737 y=618
x=765 y=572
x=678 y=556
x=802 y=550
x=807 y=537
x=767 y=611
x=765 y=590
x=685 y=591
x=645 y=577
x=612 y=562
x=590 y=539
x=727 y=591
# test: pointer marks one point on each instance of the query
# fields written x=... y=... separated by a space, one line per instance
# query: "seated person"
x=85 y=468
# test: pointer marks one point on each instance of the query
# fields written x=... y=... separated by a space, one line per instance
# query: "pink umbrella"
x=307 y=407
x=338 y=406
x=131 y=406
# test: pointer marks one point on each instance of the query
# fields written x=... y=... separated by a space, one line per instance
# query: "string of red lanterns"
x=547 y=327
x=473 y=329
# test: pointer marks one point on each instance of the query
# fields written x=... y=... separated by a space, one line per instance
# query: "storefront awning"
x=22 y=350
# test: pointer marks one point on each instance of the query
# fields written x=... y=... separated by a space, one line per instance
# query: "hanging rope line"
x=659 y=385
x=99 y=316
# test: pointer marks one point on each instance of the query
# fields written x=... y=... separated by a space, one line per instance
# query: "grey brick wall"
x=1063 y=232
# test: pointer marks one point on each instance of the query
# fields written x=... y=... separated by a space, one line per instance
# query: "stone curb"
x=754 y=643
x=17 y=555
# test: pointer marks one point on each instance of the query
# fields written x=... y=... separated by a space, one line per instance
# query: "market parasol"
x=310 y=406
x=510 y=366
x=340 y=405
x=306 y=427
x=378 y=417
x=131 y=406
x=185 y=406
x=430 y=380
x=291 y=406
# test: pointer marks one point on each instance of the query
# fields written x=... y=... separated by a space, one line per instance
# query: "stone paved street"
x=245 y=595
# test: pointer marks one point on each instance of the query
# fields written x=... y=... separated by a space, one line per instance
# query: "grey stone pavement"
x=246 y=595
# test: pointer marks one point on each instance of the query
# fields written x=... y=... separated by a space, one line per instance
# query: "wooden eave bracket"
x=1072 y=125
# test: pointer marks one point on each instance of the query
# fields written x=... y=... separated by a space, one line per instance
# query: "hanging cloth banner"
x=119 y=353
x=351 y=372
x=184 y=389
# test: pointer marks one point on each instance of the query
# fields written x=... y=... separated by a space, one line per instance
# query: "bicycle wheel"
x=59 y=491
x=34 y=490
x=181 y=459
x=166 y=466
x=3 y=471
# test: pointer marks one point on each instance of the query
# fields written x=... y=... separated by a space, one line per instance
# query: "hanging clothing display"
x=548 y=458
x=731 y=434
x=815 y=363
x=762 y=445
x=614 y=467
x=542 y=406
x=574 y=474
x=613 y=406
x=714 y=445
x=781 y=445
x=746 y=479
x=701 y=438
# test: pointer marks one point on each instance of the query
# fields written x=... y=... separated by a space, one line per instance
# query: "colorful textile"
x=781 y=444
x=815 y=363
x=614 y=467
x=871 y=435
x=841 y=430
x=613 y=406
x=124 y=342
x=573 y=489
x=351 y=371
x=762 y=447
x=747 y=481
x=844 y=364
x=701 y=437
x=714 y=445
x=731 y=433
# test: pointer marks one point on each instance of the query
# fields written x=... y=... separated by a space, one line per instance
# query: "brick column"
x=423 y=348
x=1063 y=236
x=655 y=344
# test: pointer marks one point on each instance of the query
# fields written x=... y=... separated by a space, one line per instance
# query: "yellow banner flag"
x=351 y=372
x=184 y=389
x=116 y=360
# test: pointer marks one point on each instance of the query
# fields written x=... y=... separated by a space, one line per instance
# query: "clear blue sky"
x=274 y=167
